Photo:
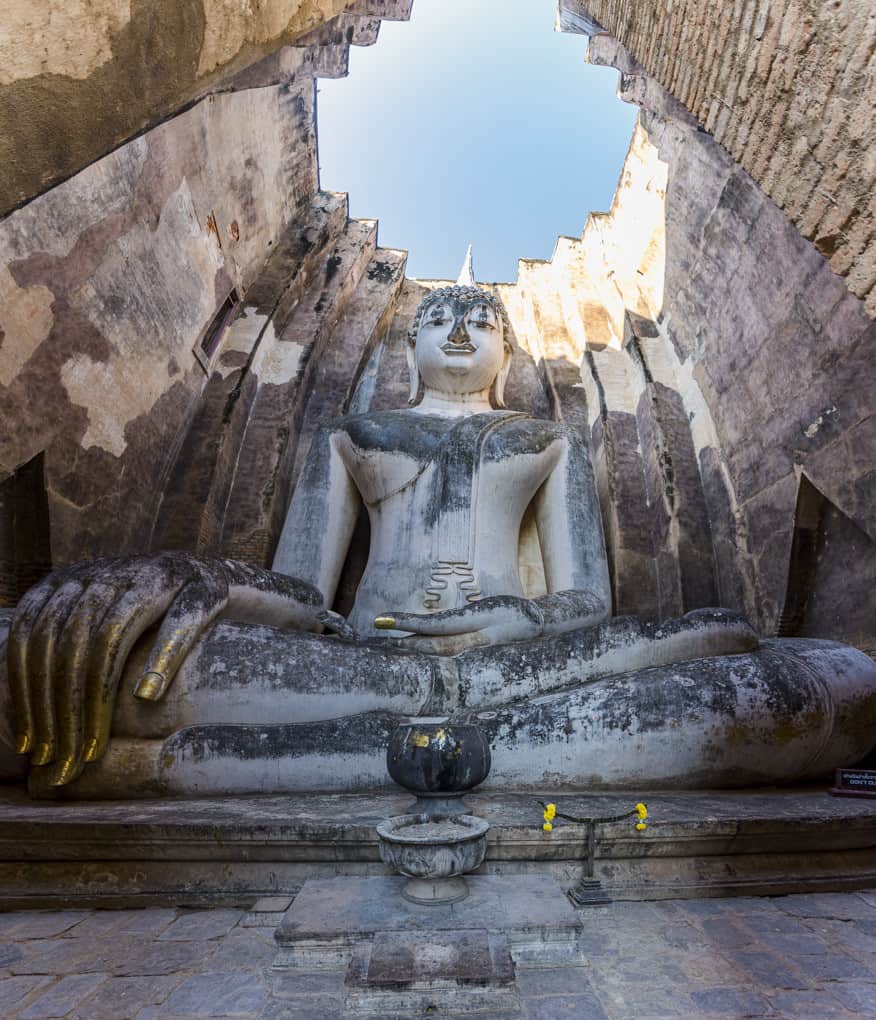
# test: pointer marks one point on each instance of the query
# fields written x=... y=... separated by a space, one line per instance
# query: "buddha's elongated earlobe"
x=501 y=378
x=413 y=371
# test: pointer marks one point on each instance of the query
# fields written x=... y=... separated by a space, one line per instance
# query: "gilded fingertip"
x=22 y=745
x=150 y=687
x=385 y=622
x=64 y=772
x=92 y=750
x=42 y=755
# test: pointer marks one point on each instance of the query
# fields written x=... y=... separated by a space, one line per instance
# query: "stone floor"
x=798 y=956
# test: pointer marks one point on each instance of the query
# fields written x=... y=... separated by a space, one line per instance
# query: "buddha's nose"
x=458 y=334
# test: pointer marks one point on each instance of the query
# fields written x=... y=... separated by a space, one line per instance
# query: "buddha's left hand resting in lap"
x=446 y=484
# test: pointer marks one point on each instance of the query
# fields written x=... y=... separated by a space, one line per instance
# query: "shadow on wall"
x=25 y=541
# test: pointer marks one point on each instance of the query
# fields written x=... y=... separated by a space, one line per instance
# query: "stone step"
x=412 y=973
x=362 y=326
x=213 y=850
x=191 y=513
x=284 y=366
x=386 y=10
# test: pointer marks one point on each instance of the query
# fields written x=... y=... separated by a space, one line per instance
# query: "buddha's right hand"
x=72 y=633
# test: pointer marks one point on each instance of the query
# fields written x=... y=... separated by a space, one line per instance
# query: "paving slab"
x=201 y=924
x=805 y=1005
x=812 y=957
x=123 y=998
x=858 y=997
x=59 y=999
x=574 y=1007
x=730 y=1002
x=14 y=990
x=38 y=924
x=219 y=994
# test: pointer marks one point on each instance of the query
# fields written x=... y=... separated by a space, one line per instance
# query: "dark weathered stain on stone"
x=365 y=733
x=381 y=271
x=332 y=265
x=72 y=122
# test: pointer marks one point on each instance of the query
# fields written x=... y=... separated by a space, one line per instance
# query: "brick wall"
x=788 y=87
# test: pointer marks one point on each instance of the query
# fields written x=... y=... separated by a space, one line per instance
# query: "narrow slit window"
x=213 y=335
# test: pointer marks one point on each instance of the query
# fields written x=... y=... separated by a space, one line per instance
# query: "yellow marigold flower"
x=550 y=811
x=548 y=827
x=641 y=811
x=640 y=826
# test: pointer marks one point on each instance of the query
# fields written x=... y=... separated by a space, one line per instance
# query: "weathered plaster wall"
x=788 y=87
x=717 y=360
x=108 y=282
x=78 y=79
x=117 y=440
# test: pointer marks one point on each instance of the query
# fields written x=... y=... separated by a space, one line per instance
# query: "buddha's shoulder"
x=405 y=429
x=391 y=430
x=521 y=433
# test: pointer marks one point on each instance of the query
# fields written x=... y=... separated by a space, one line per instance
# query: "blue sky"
x=473 y=122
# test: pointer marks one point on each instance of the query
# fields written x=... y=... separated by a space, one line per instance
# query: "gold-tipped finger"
x=150 y=686
x=22 y=745
x=384 y=622
x=63 y=772
x=42 y=755
x=92 y=750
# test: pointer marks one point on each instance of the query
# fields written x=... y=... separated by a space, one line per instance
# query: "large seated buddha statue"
x=170 y=674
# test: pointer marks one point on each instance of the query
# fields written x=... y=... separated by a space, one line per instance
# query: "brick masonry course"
x=788 y=88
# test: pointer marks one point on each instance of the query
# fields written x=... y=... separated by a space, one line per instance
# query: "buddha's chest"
x=441 y=468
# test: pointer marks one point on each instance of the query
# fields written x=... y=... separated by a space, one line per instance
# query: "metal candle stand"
x=589 y=892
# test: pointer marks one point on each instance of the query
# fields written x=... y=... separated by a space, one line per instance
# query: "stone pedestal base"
x=331 y=918
x=438 y=807
x=431 y=892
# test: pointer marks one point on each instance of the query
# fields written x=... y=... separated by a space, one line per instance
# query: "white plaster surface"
x=65 y=37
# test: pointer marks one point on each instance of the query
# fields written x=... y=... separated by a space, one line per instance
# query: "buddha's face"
x=460 y=346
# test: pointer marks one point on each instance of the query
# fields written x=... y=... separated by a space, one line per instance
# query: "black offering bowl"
x=439 y=760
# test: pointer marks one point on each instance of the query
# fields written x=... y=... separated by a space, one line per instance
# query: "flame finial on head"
x=466 y=274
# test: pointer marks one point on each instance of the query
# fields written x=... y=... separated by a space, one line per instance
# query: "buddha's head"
x=458 y=343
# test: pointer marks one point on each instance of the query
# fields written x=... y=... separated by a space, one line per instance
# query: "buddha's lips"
x=466 y=348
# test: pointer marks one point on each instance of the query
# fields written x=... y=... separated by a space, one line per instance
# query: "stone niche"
x=716 y=365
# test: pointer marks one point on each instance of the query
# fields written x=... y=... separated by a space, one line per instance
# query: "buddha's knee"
x=250 y=674
x=792 y=710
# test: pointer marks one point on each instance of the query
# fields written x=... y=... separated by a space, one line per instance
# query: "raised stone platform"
x=406 y=958
x=331 y=918
x=235 y=850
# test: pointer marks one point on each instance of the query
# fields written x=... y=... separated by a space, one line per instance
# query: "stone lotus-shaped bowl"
x=422 y=847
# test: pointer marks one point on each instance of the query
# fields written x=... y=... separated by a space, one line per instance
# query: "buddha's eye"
x=483 y=324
